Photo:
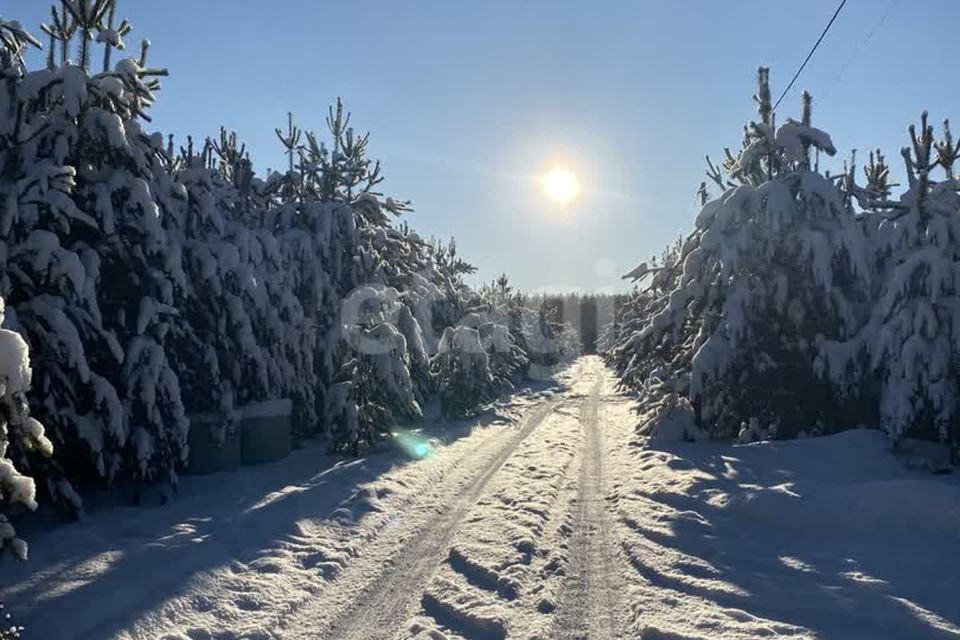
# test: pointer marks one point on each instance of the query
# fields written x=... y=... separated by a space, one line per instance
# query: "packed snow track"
x=381 y=605
x=589 y=607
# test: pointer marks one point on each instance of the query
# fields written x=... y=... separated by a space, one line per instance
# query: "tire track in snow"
x=382 y=607
x=589 y=605
x=504 y=572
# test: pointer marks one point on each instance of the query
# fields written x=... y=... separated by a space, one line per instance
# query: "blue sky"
x=470 y=102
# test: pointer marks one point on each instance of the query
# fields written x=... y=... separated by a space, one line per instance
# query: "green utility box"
x=266 y=432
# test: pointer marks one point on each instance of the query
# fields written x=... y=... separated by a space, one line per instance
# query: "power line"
x=810 y=55
x=858 y=51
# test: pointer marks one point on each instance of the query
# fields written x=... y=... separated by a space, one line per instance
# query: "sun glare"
x=561 y=185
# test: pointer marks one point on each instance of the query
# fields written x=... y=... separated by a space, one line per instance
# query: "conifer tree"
x=464 y=377
x=910 y=342
x=776 y=265
x=88 y=220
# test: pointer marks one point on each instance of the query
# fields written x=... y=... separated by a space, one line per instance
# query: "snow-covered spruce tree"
x=94 y=214
x=911 y=344
x=17 y=426
x=776 y=265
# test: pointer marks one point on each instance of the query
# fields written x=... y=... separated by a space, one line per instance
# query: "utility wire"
x=810 y=55
x=858 y=51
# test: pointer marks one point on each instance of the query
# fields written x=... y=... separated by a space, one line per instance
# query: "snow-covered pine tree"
x=407 y=263
x=373 y=387
x=416 y=344
x=123 y=180
x=129 y=270
x=335 y=233
x=430 y=279
x=509 y=363
x=447 y=274
x=485 y=354
x=911 y=344
x=482 y=356
x=340 y=240
x=503 y=334
x=505 y=306
x=427 y=278
x=661 y=275
x=316 y=228
x=16 y=426
x=49 y=277
x=776 y=265
x=286 y=336
x=550 y=342
x=93 y=214
x=241 y=330
x=462 y=368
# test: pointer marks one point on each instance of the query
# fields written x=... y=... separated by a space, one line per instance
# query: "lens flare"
x=413 y=444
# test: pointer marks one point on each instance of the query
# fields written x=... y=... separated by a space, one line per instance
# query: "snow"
x=19 y=429
x=17 y=488
x=820 y=537
x=548 y=517
x=14 y=362
x=795 y=137
x=502 y=569
x=135 y=271
x=237 y=551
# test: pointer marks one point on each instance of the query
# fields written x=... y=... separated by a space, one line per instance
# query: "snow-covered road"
x=385 y=594
x=543 y=520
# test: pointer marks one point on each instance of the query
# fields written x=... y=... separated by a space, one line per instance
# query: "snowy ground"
x=545 y=521
x=824 y=537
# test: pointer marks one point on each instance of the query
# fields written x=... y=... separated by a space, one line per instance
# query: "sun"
x=561 y=185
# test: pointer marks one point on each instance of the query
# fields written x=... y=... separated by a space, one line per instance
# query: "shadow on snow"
x=125 y=561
